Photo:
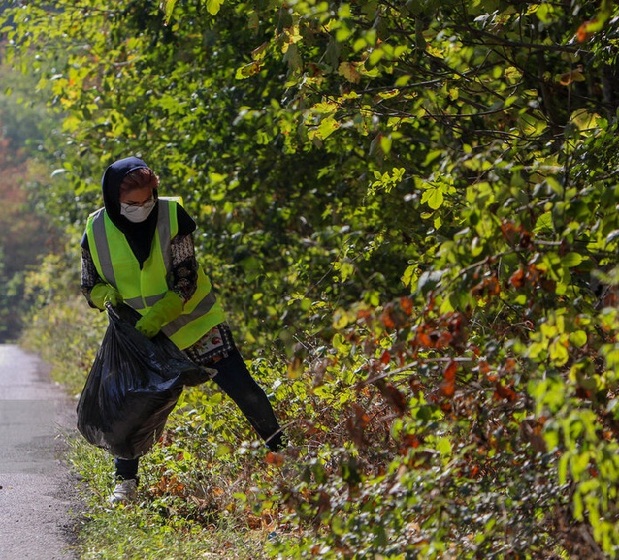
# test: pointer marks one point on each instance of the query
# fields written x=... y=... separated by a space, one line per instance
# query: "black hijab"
x=139 y=235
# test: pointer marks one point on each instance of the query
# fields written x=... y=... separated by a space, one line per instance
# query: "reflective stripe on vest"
x=141 y=288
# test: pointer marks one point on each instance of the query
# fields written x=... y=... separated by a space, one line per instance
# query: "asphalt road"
x=39 y=505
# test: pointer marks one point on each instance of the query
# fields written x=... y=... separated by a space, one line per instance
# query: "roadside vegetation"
x=26 y=234
x=410 y=210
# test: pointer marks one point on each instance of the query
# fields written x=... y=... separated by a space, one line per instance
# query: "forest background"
x=410 y=210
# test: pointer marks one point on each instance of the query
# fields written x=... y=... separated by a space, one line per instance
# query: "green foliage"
x=26 y=232
x=60 y=326
x=411 y=212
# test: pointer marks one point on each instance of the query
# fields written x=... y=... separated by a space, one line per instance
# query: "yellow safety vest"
x=142 y=287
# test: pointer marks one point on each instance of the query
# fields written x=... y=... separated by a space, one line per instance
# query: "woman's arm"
x=90 y=276
x=184 y=266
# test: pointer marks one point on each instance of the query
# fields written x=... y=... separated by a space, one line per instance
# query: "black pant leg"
x=126 y=468
x=235 y=380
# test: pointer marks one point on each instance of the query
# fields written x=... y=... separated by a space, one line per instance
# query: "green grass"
x=202 y=488
x=169 y=520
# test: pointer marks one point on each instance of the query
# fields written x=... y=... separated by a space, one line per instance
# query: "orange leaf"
x=273 y=458
x=407 y=305
x=424 y=339
x=394 y=397
x=416 y=386
x=517 y=278
x=385 y=357
x=356 y=424
x=503 y=392
x=448 y=388
x=585 y=31
x=444 y=339
x=361 y=416
x=349 y=71
x=364 y=314
x=446 y=406
x=410 y=441
x=450 y=371
x=572 y=76
x=387 y=319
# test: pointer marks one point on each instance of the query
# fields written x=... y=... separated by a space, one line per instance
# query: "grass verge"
x=203 y=487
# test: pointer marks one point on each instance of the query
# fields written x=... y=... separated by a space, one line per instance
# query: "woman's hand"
x=168 y=308
x=104 y=293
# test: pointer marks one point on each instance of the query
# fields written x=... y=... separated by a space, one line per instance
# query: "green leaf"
x=578 y=338
x=433 y=197
x=510 y=101
x=168 y=9
x=248 y=70
x=578 y=506
x=572 y=259
x=409 y=275
x=443 y=446
x=337 y=525
x=544 y=223
x=213 y=6
x=326 y=127
x=558 y=352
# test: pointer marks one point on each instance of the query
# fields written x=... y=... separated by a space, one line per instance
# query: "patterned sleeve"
x=184 y=266
x=90 y=276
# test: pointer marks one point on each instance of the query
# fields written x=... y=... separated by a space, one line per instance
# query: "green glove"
x=168 y=308
x=104 y=293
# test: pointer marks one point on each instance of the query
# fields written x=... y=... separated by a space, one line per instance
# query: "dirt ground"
x=39 y=502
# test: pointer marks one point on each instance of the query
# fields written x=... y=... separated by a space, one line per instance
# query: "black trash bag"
x=132 y=387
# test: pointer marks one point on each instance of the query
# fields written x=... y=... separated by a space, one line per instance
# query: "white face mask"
x=135 y=213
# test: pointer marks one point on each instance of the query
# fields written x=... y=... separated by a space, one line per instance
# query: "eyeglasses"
x=133 y=206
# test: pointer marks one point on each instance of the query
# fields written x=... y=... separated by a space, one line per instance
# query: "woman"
x=139 y=249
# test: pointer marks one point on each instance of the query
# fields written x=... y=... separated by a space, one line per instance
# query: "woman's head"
x=138 y=194
x=129 y=190
x=138 y=179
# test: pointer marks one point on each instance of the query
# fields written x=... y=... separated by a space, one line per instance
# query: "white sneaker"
x=124 y=492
